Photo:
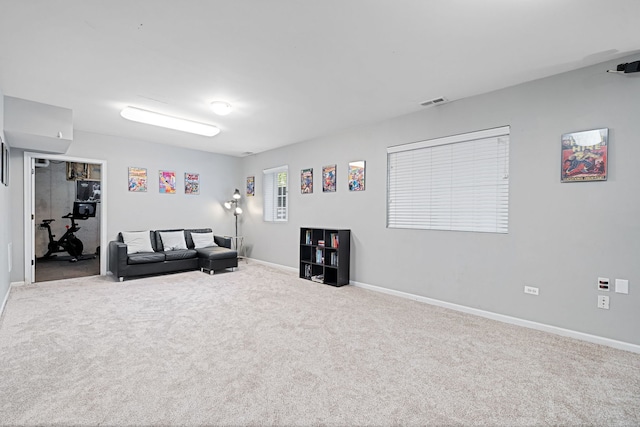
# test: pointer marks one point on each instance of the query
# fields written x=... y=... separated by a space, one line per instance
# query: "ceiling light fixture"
x=157 y=119
x=221 y=108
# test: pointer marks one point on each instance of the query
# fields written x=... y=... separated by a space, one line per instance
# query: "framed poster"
x=88 y=191
x=251 y=186
x=137 y=179
x=167 y=182
x=584 y=156
x=306 y=181
x=77 y=171
x=191 y=183
x=329 y=178
x=95 y=171
x=356 y=175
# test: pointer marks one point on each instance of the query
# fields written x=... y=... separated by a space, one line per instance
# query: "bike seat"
x=47 y=221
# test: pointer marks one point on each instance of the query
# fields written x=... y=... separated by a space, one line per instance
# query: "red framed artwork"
x=584 y=156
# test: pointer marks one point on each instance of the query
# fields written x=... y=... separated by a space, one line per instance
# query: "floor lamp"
x=233 y=204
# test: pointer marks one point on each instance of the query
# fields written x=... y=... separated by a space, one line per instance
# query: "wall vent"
x=434 y=101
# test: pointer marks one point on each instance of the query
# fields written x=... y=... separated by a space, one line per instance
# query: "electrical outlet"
x=531 y=290
x=603 y=302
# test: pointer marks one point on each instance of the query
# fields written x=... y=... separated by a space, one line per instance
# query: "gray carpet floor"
x=260 y=346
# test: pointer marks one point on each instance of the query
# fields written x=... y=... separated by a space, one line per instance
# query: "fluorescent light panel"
x=157 y=119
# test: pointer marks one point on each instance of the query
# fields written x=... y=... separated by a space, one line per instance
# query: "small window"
x=458 y=183
x=276 y=206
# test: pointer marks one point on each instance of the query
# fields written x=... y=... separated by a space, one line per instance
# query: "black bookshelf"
x=324 y=255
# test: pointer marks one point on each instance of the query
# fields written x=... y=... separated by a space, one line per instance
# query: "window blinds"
x=275 y=193
x=456 y=183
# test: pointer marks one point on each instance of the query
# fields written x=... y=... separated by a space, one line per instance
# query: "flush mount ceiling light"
x=221 y=108
x=157 y=119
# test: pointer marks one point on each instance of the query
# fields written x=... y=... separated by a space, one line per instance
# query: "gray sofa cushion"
x=216 y=252
x=180 y=254
x=145 y=257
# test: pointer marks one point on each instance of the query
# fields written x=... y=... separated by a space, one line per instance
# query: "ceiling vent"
x=434 y=101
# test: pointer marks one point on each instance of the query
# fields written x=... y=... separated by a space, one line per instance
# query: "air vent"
x=434 y=101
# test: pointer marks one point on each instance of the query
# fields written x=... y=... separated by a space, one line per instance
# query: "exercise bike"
x=69 y=242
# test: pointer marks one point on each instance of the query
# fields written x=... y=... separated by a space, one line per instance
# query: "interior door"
x=31 y=277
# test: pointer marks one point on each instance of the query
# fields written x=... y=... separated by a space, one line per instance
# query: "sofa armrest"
x=222 y=241
x=117 y=257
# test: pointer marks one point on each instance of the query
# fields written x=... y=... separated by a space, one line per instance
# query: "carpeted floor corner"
x=259 y=346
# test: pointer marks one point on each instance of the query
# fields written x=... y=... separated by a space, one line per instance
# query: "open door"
x=53 y=225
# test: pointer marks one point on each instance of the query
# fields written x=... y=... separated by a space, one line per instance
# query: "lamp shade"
x=236 y=194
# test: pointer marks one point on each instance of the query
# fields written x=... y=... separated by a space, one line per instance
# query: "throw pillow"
x=137 y=241
x=173 y=240
x=203 y=240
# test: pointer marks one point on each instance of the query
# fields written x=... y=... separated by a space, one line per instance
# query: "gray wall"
x=562 y=237
x=219 y=176
x=5 y=222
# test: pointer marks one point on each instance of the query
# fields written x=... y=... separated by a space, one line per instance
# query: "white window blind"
x=275 y=184
x=456 y=183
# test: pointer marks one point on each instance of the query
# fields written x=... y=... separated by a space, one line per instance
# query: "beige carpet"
x=261 y=347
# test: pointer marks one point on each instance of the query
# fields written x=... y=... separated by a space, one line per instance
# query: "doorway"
x=65 y=204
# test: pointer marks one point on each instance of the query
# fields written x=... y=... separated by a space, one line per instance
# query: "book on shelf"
x=307 y=271
x=319 y=257
x=308 y=237
x=320 y=242
x=334 y=259
x=334 y=240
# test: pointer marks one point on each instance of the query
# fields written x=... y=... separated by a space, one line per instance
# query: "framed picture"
x=137 y=180
x=191 y=183
x=329 y=178
x=88 y=191
x=4 y=163
x=77 y=171
x=167 y=182
x=94 y=171
x=356 y=175
x=251 y=186
x=306 y=181
x=584 y=156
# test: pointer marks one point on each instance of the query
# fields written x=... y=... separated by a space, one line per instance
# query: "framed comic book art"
x=251 y=186
x=167 y=182
x=137 y=179
x=584 y=156
x=191 y=183
x=329 y=179
x=356 y=176
x=306 y=181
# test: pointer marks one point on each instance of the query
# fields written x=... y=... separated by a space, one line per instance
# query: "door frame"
x=29 y=209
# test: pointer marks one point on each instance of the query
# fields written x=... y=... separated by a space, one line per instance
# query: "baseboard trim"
x=4 y=301
x=621 y=345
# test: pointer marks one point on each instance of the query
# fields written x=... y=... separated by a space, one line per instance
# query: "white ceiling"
x=293 y=69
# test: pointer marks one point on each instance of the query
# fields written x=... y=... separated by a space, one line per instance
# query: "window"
x=276 y=207
x=456 y=183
